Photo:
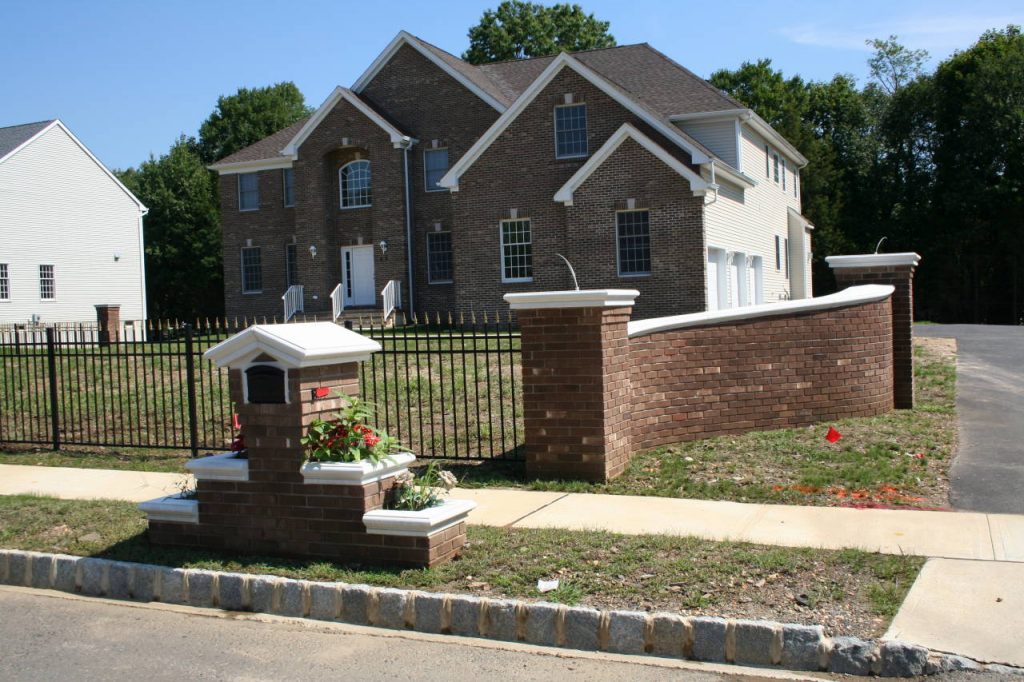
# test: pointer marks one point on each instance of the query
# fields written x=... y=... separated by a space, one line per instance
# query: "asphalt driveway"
x=988 y=471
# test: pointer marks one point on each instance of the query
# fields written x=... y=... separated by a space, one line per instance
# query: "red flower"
x=370 y=439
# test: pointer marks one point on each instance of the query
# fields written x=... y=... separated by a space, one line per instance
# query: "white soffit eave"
x=626 y=131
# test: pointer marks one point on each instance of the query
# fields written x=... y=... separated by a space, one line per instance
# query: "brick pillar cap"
x=871 y=260
x=106 y=306
x=588 y=298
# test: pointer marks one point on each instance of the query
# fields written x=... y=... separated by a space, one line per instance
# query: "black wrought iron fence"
x=445 y=387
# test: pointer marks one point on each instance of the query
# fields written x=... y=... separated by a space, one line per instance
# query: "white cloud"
x=937 y=34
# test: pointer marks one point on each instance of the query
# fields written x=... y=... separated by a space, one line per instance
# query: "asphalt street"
x=988 y=471
x=51 y=636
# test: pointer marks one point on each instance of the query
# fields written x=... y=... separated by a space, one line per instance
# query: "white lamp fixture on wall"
x=384 y=247
x=312 y=251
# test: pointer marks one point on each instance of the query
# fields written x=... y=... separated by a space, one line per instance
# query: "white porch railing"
x=337 y=303
x=293 y=301
x=391 y=297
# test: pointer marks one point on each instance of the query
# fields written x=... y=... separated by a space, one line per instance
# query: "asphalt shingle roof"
x=648 y=77
x=13 y=136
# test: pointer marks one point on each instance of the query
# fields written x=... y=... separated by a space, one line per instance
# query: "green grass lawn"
x=901 y=458
x=851 y=592
x=137 y=459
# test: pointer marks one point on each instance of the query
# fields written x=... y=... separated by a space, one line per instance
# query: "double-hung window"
x=291 y=265
x=435 y=165
x=47 y=283
x=289 y=186
x=570 y=131
x=439 y=257
x=775 y=166
x=633 y=234
x=248 y=191
x=516 y=251
x=783 y=175
x=354 y=182
x=252 y=270
x=5 y=282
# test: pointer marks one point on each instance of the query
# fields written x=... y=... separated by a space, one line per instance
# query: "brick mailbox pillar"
x=576 y=394
x=282 y=377
x=896 y=269
x=108 y=318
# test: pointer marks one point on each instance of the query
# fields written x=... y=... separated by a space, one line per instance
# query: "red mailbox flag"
x=832 y=436
x=321 y=392
x=235 y=424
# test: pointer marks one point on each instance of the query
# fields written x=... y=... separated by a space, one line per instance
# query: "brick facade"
x=518 y=174
x=593 y=396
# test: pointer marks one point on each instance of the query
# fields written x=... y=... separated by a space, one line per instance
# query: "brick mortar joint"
x=92 y=576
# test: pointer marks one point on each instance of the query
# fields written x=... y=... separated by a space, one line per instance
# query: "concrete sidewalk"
x=951 y=535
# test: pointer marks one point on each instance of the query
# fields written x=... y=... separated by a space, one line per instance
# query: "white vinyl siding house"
x=744 y=223
x=718 y=136
x=70 y=233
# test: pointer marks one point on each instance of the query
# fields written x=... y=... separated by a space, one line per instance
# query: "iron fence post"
x=190 y=380
x=51 y=359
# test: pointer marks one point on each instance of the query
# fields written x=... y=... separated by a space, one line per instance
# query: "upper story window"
x=775 y=166
x=288 y=177
x=354 y=181
x=47 y=283
x=252 y=270
x=435 y=165
x=570 y=131
x=796 y=179
x=633 y=233
x=439 y=257
x=778 y=252
x=767 y=162
x=516 y=251
x=248 y=191
x=783 y=175
x=291 y=265
x=5 y=283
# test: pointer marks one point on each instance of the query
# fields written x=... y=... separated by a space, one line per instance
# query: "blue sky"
x=129 y=77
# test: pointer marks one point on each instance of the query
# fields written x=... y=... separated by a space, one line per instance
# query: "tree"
x=248 y=116
x=892 y=65
x=182 y=233
x=518 y=30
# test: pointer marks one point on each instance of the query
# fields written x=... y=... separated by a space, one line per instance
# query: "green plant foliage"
x=247 y=117
x=414 y=493
x=518 y=30
x=347 y=437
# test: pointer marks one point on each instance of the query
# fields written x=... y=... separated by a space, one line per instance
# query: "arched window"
x=354 y=181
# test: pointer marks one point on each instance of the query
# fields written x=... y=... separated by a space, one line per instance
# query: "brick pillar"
x=576 y=385
x=109 y=319
x=896 y=269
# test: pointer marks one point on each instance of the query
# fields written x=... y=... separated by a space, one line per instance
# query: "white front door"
x=357 y=275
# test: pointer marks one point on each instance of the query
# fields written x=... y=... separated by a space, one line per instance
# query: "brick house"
x=468 y=181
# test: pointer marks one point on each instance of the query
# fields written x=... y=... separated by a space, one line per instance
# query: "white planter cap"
x=418 y=524
x=172 y=508
x=588 y=298
x=294 y=345
x=223 y=467
x=869 y=260
x=356 y=473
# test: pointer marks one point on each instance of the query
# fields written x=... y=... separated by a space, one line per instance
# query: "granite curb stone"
x=764 y=643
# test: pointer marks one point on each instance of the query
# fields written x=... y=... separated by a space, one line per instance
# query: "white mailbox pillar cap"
x=301 y=344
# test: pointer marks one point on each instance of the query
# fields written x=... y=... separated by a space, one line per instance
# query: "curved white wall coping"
x=223 y=467
x=588 y=298
x=868 y=260
x=868 y=293
x=418 y=524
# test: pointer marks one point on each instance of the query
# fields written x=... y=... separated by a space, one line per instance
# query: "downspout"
x=406 y=146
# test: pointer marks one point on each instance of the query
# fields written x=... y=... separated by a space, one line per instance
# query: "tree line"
x=932 y=162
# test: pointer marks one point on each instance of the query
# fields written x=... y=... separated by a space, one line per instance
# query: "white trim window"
x=778 y=253
x=783 y=175
x=796 y=182
x=516 y=251
x=248 y=191
x=767 y=162
x=252 y=270
x=435 y=165
x=439 y=258
x=633 y=242
x=288 y=179
x=775 y=167
x=354 y=183
x=570 y=131
x=5 y=282
x=291 y=265
x=47 y=282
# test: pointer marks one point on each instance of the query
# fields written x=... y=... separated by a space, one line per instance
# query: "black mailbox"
x=265 y=384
